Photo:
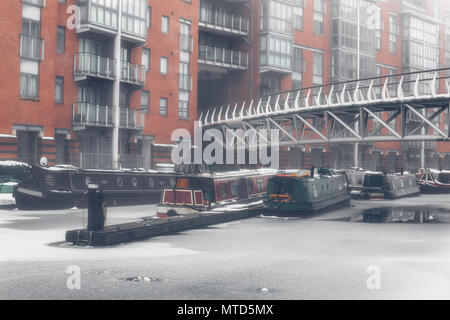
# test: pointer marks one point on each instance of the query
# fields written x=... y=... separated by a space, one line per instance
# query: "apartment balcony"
x=185 y=82
x=37 y=3
x=224 y=58
x=132 y=119
x=133 y=74
x=223 y=23
x=97 y=19
x=415 y=145
x=103 y=19
x=31 y=48
x=87 y=65
x=90 y=115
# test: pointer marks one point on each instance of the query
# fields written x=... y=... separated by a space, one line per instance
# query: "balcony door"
x=27 y=146
x=91 y=51
x=32 y=32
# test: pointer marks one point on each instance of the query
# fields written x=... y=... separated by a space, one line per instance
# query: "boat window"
x=250 y=186
x=183 y=183
x=260 y=185
x=373 y=181
x=233 y=187
x=444 y=178
x=223 y=190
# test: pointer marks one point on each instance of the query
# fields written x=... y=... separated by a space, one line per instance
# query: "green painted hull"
x=309 y=195
x=306 y=207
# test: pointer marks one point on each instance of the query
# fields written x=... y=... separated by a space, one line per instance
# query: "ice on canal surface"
x=322 y=256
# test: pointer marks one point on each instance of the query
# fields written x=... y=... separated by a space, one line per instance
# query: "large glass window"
x=298 y=14
x=276 y=52
x=318 y=68
x=393 y=33
x=134 y=16
x=104 y=12
x=319 y=13
x=276 y=17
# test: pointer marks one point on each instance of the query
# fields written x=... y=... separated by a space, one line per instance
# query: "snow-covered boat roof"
x=11 y=163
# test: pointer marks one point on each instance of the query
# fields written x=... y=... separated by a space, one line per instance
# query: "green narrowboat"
x=307 y=191
x=378 y=186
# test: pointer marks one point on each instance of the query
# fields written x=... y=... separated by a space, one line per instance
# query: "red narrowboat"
x=226 y=191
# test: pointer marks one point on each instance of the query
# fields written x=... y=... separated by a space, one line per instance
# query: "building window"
x=146 y=58
x=164 y=24
x=61 y=39
x=145 y=101
x=29 y=86
x=164 y=65
x=393 y=32
x=183 y=104
x=298 y=14
x=163 y=106
x=149 y=17
x=318 y=68
x=319 y=12
x=59 y=89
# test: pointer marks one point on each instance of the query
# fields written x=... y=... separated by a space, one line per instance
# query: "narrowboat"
x=435 y=181
x=196 y=193
x=379 y=186
x=306 y=191
x=66 y=186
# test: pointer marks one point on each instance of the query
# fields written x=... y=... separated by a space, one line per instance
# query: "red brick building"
x=177 y=57
x=58 y=75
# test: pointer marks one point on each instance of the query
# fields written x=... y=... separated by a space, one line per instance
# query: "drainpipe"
x=358 y=66
x=116 y=91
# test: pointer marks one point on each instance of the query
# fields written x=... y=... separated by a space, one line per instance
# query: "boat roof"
x=233 y=174
x=435 y=171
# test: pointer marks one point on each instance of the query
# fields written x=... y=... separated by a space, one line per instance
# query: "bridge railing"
x=404 y=88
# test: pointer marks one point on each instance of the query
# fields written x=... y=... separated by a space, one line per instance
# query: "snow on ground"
x=317 y=257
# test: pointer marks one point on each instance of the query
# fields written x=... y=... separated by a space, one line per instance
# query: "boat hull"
x=47 y=188
x=302 y=195
x=308 y=207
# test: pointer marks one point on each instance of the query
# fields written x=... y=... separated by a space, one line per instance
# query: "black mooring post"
x=96 y=209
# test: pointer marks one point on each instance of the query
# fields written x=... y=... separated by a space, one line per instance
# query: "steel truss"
x=346 y=112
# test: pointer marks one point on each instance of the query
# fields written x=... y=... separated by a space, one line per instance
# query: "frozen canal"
x=323 y=257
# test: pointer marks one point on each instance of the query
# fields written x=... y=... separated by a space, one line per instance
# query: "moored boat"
x=379 y=186
x=306 y=191
x=435 y=181
x=239 y=190
x=66 y=186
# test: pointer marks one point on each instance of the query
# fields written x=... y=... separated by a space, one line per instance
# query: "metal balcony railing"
x=132 y=119
x=38 y=3
x=186 y=43
x=407 y=145
x=219 y=20
x=31 y=48
x=86 y=64
x=185 y=82
x=223 y=57
x=86 y=114
x=132 y=73
x=86 y=160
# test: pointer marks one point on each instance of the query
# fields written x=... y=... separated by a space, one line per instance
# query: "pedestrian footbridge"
x=402 y=107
